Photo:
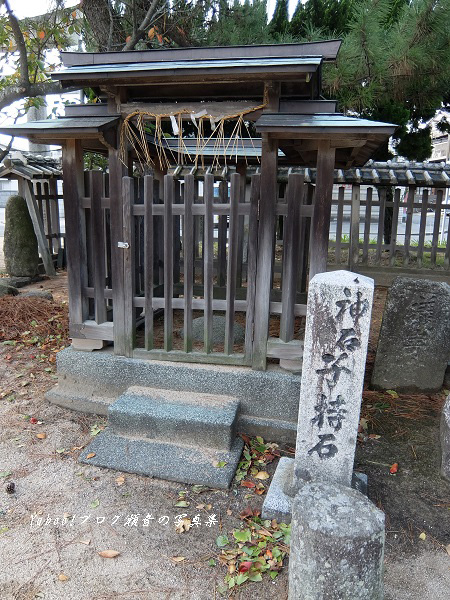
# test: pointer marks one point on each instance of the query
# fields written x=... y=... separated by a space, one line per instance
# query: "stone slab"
x=218 y=330
x=414 y=344
x=445 y=439
x=337 y=545
x=283 y=487
x=268 y=399
x=16 y=282
x=334 y=360
x=206 y=420
x=185 y=464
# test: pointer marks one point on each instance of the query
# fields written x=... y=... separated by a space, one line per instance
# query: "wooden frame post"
x=116 y=171
x=73 y=178
x=266 y=233
x=320 y=222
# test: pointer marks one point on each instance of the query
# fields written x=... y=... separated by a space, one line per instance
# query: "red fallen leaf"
x=8 y=357
x=393 y=469
x=248 y=484
x=245 y=438
x=245 y=566
x=269 y=458
x=33 y=420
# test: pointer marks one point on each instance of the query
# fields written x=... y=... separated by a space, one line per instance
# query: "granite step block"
x=204 y=420
x=185 y=464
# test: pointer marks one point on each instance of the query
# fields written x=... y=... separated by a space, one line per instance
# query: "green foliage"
x=280 y=20
x=395 y=62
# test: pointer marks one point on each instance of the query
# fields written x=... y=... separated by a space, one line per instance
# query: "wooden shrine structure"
x=148 y=251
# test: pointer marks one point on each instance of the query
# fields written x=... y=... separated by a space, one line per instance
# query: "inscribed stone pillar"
x=334 y=360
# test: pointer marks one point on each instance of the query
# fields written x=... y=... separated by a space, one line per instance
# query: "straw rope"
x=133 y=133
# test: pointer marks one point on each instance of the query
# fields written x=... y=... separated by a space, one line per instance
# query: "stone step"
x=183 y=463
x=186 y=418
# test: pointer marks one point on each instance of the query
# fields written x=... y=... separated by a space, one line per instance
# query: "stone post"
x=337 y=545
x=334 y=360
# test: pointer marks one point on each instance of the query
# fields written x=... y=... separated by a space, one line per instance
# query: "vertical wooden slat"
x=176 y=234
x=48 y=217
x=353 y=251
x=320 y=222
x=72 y=160
x=116 y=171
x=380 y=235
x=394 y=227
x=291 y=245
x=436 y=225
x=409 y=216
x=188 y=259
x=222 y=236
x=339 y=219
x=54 y=209
x=447 y=248
x=169 y=190
x=422 y=228
x=148 y=260
x=128 y=266
x=367 y=218
x=242 y=170
x=251 y=265
x=305 y=234
x=97 y=233
x=232 y=263
x=208 y=256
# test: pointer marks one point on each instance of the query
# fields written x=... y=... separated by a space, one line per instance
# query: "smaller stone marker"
x=20 y=245
x=445 y=439
x=414 y=345
x=337 y=545
x=334 y=360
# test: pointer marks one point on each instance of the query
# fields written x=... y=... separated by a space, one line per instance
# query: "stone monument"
x=20 y=244
x=334 y=359
x=414 y=345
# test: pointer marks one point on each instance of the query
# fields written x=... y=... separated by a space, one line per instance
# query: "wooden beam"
x=72 y=163
x=266 y=233
x=320 y=222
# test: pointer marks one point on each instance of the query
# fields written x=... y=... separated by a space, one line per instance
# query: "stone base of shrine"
x=280 y=496
x=268 y=400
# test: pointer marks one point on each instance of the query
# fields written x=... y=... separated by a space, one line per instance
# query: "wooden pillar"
x=72 y=162
x=266 y=233
x=320 y=222
x=116 y=171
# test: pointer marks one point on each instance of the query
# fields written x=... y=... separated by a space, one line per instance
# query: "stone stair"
x=174 y=435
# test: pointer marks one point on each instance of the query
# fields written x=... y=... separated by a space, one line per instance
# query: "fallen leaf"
x=245 y=566
x=229 y=512
x=393 y=469
x=200 y=506
x=33 y=420
x=90 y=455
x=447 y=548
x=181 y=504
x=85 y=542
x=120 y=480
x=41 y=436
x=262 y=475
x=63 y=577
x=222 y=541
x=108 y=553
x=184 y=525
x=392 y=393
x=95 y=503
x=248 y=484
x=374 y=436
x=423 y=536
x=67 y=515
x=219 y=464
x=177 y=559
x=5 y=474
